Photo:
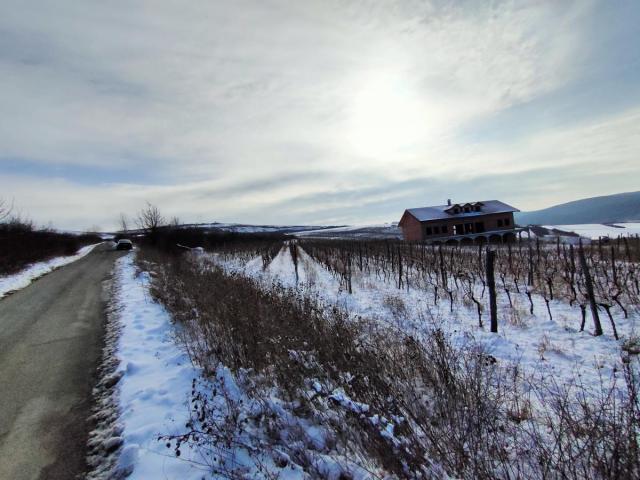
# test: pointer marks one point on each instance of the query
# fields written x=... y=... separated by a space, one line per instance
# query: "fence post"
x=491 y=281
x=589 y=284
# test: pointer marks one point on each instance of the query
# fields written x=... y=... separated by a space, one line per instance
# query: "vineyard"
x=607 y=273
x=495 y=361
x=600 y=282
x=545 y=317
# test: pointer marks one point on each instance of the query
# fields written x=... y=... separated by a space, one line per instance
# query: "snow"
x=23 y=278
x=244 y=228
x=595 y=230
x=541 y=346
x=382 y=230
x=154 y=376
x=154 y=379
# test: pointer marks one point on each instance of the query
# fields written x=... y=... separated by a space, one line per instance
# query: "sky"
x=313 y=112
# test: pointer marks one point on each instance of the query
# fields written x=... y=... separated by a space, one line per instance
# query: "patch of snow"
x=23 y=278
x=343 y=399
x=595 y=230
x=154 y=379
x=157 y=389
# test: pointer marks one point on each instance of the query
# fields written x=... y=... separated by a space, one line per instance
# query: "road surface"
x=50 y=345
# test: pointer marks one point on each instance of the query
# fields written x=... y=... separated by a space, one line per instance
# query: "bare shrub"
x=516 y=315
x=396 y=306
x=631 y=345
x=21 y=243
x=393 y=404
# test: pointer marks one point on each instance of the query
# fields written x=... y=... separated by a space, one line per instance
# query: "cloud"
x=277 y=110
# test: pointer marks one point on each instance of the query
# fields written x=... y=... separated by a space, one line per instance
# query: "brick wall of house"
x=411 y=228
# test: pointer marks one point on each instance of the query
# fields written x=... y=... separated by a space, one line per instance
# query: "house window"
x=499 y=222
x=456 y=210
x=428 y=230
x=468 y=228
x=506 y=222
x=444 y=229
x=436 y=230
x=477 y=208
x=467 y=209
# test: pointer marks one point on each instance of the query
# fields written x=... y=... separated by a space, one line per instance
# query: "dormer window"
x=467 y=209
x=477 y=208
x=456 y=210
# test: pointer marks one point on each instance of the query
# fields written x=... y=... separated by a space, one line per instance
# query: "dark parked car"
x=124 y=244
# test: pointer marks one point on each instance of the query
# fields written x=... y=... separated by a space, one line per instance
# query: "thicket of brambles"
x=607 y=272
x=454 y=411
x=22 y=243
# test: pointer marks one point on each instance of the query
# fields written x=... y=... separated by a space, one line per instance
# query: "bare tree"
x=150 y=219
x=123 y=222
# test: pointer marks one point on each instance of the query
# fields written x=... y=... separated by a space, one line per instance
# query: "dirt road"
x=50 y=345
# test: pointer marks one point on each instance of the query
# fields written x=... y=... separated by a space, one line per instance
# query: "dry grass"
x=452 y=411
x=22 y=244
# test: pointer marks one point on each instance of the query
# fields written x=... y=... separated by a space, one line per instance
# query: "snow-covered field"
x=595 y=230
x=542 y=346
x=243 y=228
x=155 y=385
x=383 y=230
x=22 y=279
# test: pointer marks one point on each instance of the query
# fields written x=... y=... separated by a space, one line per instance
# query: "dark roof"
x=439 y=212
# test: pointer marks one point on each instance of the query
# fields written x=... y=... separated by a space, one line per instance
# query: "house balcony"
x=489 y=236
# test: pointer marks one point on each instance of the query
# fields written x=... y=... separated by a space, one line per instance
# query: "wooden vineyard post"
x=399 y=268
x=443 y=273
x=530 y=272
x=491 y=282
x=589 y=285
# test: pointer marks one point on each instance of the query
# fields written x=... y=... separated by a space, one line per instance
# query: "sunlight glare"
x=387 y=117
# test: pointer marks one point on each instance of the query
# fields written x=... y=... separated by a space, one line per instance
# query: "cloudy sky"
x=313 y=112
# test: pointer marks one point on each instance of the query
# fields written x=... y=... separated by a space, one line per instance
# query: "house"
x=487 y=220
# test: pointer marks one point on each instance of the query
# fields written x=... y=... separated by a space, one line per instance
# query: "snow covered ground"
x=595 y=230
x=22 y=279
x=243 y=228
x=154 y=380
x=149 y=397
x=154 y=376
x=383 y=230
x=542 y=346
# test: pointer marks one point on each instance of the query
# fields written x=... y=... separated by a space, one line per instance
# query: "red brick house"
x=458 y=221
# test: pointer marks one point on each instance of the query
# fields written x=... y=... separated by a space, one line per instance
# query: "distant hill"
x=621 y=207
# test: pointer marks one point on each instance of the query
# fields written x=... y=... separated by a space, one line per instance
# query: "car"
x=124 y=244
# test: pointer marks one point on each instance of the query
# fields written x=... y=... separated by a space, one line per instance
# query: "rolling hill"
x=621 y=207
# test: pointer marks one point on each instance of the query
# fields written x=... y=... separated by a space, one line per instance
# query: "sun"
x=387 y=117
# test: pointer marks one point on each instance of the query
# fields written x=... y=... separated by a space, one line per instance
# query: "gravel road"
x=50 y=345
